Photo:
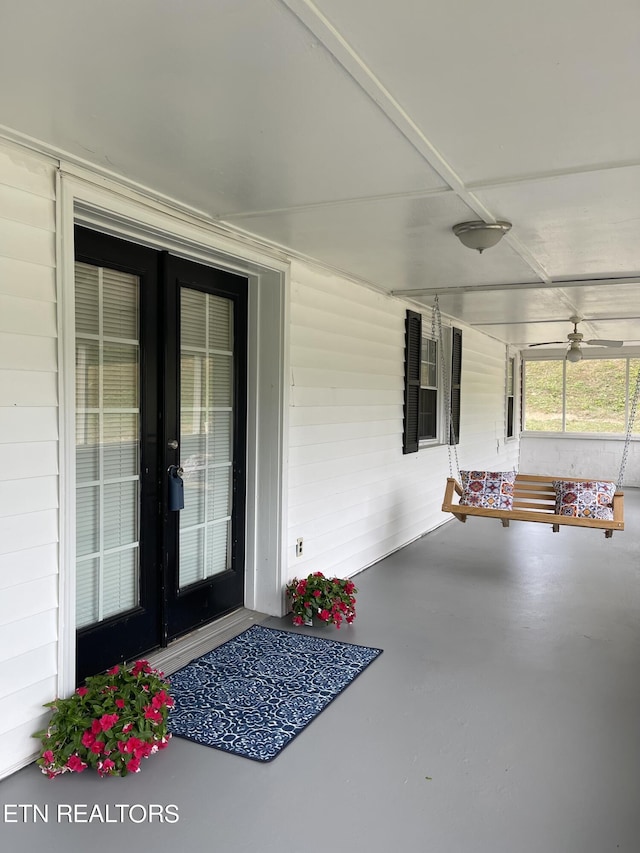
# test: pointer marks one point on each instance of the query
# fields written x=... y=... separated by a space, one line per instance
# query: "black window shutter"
x=456 y=377
x=413 y=343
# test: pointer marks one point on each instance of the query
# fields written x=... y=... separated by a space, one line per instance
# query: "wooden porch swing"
x=534 y=495
x=534 y=499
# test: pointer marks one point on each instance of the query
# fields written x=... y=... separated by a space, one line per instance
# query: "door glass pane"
x=206 y=408
x=107 y=443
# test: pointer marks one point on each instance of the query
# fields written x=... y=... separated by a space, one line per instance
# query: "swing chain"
x=627 y=442
x=436 y=325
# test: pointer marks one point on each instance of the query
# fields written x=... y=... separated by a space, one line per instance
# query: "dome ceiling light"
x=480 y=235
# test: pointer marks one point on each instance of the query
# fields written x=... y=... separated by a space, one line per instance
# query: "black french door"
x=160 y=397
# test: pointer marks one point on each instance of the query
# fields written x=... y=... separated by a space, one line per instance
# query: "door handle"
x=175 y=488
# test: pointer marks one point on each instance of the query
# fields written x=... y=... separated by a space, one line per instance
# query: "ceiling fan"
x=576 y=338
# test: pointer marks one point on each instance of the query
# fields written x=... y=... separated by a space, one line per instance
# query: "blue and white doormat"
x=254 y=694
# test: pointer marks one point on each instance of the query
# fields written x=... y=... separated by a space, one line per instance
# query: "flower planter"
x=110 y=723
x=321 y=600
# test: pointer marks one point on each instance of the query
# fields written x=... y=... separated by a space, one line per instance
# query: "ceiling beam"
x=529 y=285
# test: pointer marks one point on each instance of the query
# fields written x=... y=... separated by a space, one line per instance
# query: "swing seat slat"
x=534 y=499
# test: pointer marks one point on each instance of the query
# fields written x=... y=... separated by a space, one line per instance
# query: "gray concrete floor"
x=503 y=717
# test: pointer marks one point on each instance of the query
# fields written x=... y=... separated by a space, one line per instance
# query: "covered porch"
x=501 y=717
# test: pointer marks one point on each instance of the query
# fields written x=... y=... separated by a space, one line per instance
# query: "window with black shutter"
x=423 y=399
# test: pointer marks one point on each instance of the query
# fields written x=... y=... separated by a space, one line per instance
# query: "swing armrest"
x=452 y=485
x=618 y=508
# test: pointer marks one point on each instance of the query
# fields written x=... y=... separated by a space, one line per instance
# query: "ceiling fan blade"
x=605 y=343
x=547 y=343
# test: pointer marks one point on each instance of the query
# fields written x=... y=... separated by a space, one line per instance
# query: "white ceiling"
x=358 y=133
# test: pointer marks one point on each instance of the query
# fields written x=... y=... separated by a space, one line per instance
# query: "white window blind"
x=206 y=423
x=107 y=442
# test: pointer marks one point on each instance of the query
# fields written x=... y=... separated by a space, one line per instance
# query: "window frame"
x=630 y=380
x=511 y=390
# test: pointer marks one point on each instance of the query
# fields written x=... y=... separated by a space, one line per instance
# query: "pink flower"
x=48 y=756
x=161 y=699
x=318 y=575
x=164 y=743
x=301 y=588
x=82 y=691
x=88 y=738
x=96 y=727
x=324 y=615
x=152 y=714
x=127 y=728
x=97 y=746
x=120 y=703
x=129 y=746
x=133 y=765
x=316 y=593
x=104 y=767
x=298 y=620
x=140 y=666
x=76 y=764
x=144 y=750
x=114 y=670
x=108 y=721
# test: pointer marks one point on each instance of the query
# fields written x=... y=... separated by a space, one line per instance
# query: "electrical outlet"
x=299 y=547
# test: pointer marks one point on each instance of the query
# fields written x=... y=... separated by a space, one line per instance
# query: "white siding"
x=353 y=496
x=28 y=452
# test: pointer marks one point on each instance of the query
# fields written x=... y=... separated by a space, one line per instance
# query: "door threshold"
x=182 y=651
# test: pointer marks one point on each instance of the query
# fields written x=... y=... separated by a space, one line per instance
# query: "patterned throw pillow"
x=592 y=499
x=488 y=489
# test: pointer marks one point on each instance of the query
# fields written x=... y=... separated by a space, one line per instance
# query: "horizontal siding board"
x=18 y=425
x=26 y=171
x=28 y=565
x=28 y=280
x=319 y=376
x=342 y=324
x=23 y=461
x=27 y=316
x=336 y=469
x=310 y=454
x=331 y=360
x=303 y=337
x=338 y=436
x=22 y=671
x=332 y=295
x=336 y=399
x=29 y=530
x=28 y=388
x=26 y=633
x=16 y=205
x=27 y=705
x=22 y=352
x=320 y=416
x=18 y=497
x=17 y=746
x=25 y=243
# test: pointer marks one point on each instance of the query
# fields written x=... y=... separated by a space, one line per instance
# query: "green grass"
x=595 y=397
